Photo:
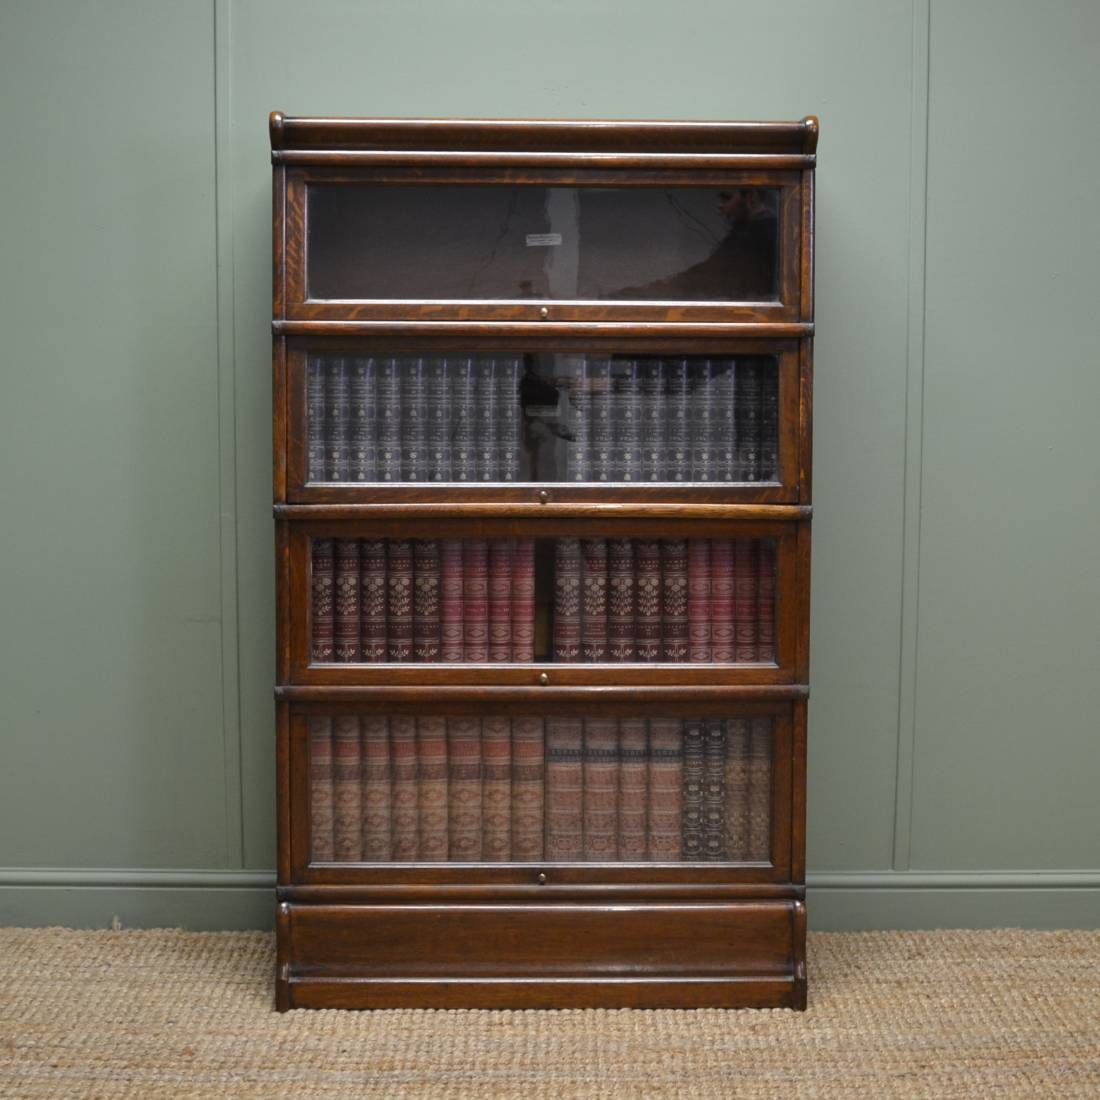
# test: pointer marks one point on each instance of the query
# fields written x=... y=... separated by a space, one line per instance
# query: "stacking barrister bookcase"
x=542 y=401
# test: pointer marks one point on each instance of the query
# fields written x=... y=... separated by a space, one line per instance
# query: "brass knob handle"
x=544 y=497
x=542 y=878
x=544 y=313
x=544 y=679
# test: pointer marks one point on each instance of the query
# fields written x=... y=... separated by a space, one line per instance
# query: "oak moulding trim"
x=758 y=513
x=779 y=330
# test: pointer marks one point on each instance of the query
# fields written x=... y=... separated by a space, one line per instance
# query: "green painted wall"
x=955 y=643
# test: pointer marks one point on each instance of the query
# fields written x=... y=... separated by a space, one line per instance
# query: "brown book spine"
x=431 y=770
x=372 y=603
x=647 y=628
x=346 y=600
x=699 y=631
x=760 y=790
x=347 y=779
x=496 y=795
x=321 y=809
x=475 y=600
x=620 y=600
x=399 y=599
x=528 y=777
x=694 y=770
x=426 y=622
x=567 y=600
x=674 y=600
x=450 y=600
x=601 y=788
x=564 y=789
x=765 y=603
x=666 y=780
x=737 y=789
x=406 y=789
x=464 y=788
x=633 y=773
x=714 y=790
x=321 y=602
x=721 y=600
x=377 y=789
x=523 y=601
x=594 y=600
x=744 y=600
x=500 y=599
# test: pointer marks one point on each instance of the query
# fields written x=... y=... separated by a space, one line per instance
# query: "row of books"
x=697 y=600
x=496 y=789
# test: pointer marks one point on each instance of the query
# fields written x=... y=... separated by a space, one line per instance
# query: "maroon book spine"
x=500 y=600
x=322 y=603
x=737 y=790
x=699 y=600
x=450 y=601
x=620 y=600
x=464 y=788
x=744 y=600
x=564 y=789
x=347 y=777
x=721 y=600
x=406 y=789
x=372 y=602
x=475 y=600
x=694 y=770
x=567 y=600
x=674 y=600
x=601 y=789
x=528 y=777
x=760 y=790
x=594 y=600
x=496 y=795
x=714 y=790
x=431 y=771
x=426 y=624
x=523 y=601
x=321 y=809
x=647 y=620
x=633 y=768
x=399 y=599
x=765 y=603
x=377 y=789
x=666 y=780
x=346 y=600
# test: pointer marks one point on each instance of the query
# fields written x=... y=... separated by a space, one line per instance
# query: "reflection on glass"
x=469 y=788
x=554 y=243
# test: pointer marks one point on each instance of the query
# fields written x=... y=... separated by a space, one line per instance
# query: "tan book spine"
x=320 y=790
x=347 y=771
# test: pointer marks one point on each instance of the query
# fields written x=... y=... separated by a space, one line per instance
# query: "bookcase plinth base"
x=744 y=954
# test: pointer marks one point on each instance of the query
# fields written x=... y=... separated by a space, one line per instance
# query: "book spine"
x=377 y=789
x=315 y=411
x=721 y=600
x=373 y=595
x=321 y=809
x=464 y=788
x=633 y=772
x=677 y=425
x=523 y=601
x=427 y=637
x=699 y=628
x=399 y=599
x=528 y=791
x=747 y=414
x=768 y=453
x=390 y=440
x=744 y=600
x=626 y=413
x=620 y=600
x=647 y=621
x=475 y=600
x=347 y=779
x=564 y=789
x=674 y=600
x=501 y=553
x=601 y=789
x=496 y=798
x=765 y=602
x=450 y=599
x=463 y=459
x=652 y=427
x=666 y=778
x=507 y=376
x=414 y=420
x=760 y=790
x=322 y=604
x=346 y=601
x=338 y=423
x=737 y=790
x=567 y=600
x=722 y=421
x=578 y=459
x=714 y=790
x=594 y=603
x=438 y=413
x=702 y=421
x=600 y=425
x=406 y=789
x=694 y=770
x=431 y=770
x=485 y=420
x=364 y=401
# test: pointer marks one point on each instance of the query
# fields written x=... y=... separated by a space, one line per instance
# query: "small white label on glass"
x=543 y=239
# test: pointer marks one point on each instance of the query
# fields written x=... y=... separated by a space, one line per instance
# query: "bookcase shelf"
x=542 y=408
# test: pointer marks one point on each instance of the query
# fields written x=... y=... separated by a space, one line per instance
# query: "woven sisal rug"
x=892 y=1014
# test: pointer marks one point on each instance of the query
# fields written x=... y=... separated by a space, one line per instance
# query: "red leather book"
x=399 y=599
x=528 y=777
x=431 y=770
x=496 y=790
x=737 y=789
x=452 y=641
x=321 y=809
x=620 y=600
x=406 y=788
x=523 y=601
x=347 y=777
x=699 y=600
x=346 y=600
x=674 y=600
x=567 y=600
x=426 y=612
x=744 y=599
x=475 y=600
x=765 y=603
x=760 y=790
x=647 y=620
x=594 y=600
x=377 y=789
x=500 y=599
x=601 y=788
x=721 y=601
x=464 y=788
x=372 y=602
x=694 y=771
x=564 y=789
x=633 y=774
x=666 y=778
x=322 y=606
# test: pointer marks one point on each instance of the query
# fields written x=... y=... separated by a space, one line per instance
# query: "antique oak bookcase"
x=542 y=408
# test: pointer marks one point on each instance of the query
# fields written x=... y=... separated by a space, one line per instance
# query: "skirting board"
x=837 y=901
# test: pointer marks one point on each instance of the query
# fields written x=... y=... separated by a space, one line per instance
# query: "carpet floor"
x=102 y=1015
